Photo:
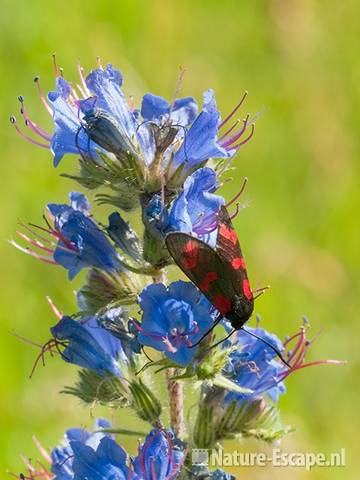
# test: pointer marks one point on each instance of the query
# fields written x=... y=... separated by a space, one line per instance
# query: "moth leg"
x=217 y=320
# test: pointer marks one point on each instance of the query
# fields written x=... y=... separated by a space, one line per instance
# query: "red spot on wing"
x=222 y=303
x=246 y=289
x=191 y=254
x=205 y=284
x=228 y=233
x=238 y=262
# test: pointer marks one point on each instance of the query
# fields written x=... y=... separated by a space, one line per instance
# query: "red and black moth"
x=219 y=273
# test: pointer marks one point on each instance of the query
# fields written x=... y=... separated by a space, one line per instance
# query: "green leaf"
x=223 y=382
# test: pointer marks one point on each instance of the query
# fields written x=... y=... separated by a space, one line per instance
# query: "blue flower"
x=89 y=345
x=106 y=84
x=81 y=243
x=96 y=456
x=92 y=117
x=157 y=458
x=201 y=141
x=63 y=456
x=107 y=462
x=69 y=135
x=117 y=322
x=194 y=210
x=156 y=109
x=174 y=319
x=253 y=365
x=100 y=90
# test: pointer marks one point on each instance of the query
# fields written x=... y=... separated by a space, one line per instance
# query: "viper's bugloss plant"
x=166 y=162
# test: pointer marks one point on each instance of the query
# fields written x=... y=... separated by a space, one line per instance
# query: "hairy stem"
x=176 y=403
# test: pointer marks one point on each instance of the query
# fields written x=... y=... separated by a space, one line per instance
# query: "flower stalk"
x=176 y=404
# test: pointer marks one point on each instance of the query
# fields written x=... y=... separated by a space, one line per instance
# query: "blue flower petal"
x=69 y=136
x=154 y=107
x=105 y=84
x=89 y=347
x=254 y=366
x=82 y=244
x=184 y=111
x=194 y=210
x=158 y=455
x=200 y=143
x=79 y=202
x=107 y=462
x=173 y=319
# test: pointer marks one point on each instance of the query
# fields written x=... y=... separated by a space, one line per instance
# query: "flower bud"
x=144 y=401
x=105 y=290
x=124 y=237
x=104 y=130
x=92 y=388
x=204 y=428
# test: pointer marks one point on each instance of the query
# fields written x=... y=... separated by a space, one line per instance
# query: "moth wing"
x=204 y=267
x=229 y=251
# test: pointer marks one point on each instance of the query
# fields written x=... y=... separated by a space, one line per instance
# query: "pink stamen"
x=83 y=82
x=29 y=139
x=42 y=96
x=298 y=360
x=81 y=90
x=153 y=469
x=74 y=95
x=57 y=234
x=298 y=344
x=46 y=240
x=236 y=147
x=35 y=242
x=230 y=140
x=283 y=375
x=238 y=195
x=56 y=311
x=42 y=450
x=33 y=254
x=132 y=104
x=37 y=130
x=234 y=111
x=169 y=346
x=288 y=340
x=34 y=126
x=148 y=334
x=229 y=131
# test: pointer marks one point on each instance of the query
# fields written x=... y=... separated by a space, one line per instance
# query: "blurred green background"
x=299 y=59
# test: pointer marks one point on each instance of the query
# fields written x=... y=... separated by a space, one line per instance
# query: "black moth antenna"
x=218 y=320
x=274 y=349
